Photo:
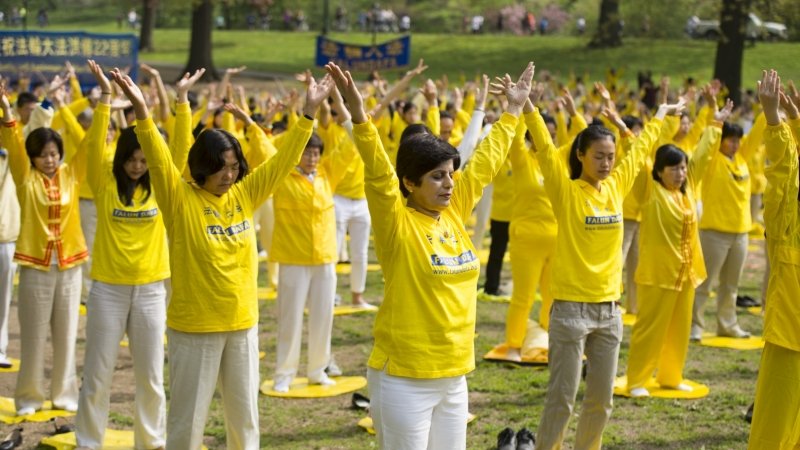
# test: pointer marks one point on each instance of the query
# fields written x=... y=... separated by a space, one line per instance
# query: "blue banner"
x=37 y=54
x=364 y=58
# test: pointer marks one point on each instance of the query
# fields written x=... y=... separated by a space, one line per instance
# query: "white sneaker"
x=26 y=411
x=513 y=354
x=324 y=380
x=639 y=392
x=4 y=362
x=282 y=385
x=683 y=387
x=333 y=368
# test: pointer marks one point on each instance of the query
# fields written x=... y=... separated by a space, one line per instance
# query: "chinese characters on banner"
x=364 y=58
x=32 y=52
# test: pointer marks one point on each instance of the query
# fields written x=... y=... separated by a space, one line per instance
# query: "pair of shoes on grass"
x=521 y=440
x=641 y=392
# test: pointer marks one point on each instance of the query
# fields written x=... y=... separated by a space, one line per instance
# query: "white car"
x=756 y=29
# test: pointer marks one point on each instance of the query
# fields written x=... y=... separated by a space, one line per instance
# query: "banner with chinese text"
x=364 y=58
x=31 y=53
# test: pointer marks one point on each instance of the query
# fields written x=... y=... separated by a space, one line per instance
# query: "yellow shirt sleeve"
x=95 y=143
x=164 y=176
x=433 y=121
x=182 y=138
x=18 y=161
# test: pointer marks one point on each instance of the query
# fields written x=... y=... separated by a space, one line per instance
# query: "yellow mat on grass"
x=266 y=293
x=751 y=343
x=113 y=440
x=8 y=412
x=344 y=269
x=343 y=310
x=698 y=390
x=755 y=310
x=14 y=366
x=366 y=423
x=533 y=357
x=301 y=389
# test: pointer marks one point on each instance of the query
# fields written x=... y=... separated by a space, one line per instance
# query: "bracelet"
x=308 y=117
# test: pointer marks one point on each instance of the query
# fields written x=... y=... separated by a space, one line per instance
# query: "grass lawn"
x=468 y=55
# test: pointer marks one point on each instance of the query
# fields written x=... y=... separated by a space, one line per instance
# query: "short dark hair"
x=731 y=130
x=127 y=144
x=316 y=141
x=25 y=98
x=38 y=138
x=421 y=153
x=445 y=115
x=205 y=156
x=582 y=142
x=413 y=130
x=668 y=155
x=632 y=121
x=547 y=118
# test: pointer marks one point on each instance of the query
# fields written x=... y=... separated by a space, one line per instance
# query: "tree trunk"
x=200 y=46
x=730 y=49
x=609 y=26
x=148 y=24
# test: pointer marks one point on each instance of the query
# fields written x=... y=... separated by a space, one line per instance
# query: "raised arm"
x=473 y=132
x=163 y=98
x=397 y=89
x=709 y=143
x=433 y=119
x=182 y=138
x=98 y=157
x=166 y=179
x=11 y=138
x=262 y=181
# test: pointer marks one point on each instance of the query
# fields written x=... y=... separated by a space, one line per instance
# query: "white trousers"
x=7 y=269
x=89 y=226
x=114 y=310
x=415 y=413
x=300 y=285
x=482 y=212
x=197 y=363
x=265 y=218
x=48 y=301
x=352 y=216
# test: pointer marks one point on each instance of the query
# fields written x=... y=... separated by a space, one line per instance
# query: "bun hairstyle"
x=581 y=144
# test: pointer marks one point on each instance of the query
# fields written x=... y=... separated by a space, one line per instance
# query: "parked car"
x=756 y=29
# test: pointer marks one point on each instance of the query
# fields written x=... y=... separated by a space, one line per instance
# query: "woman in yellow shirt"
x=212 y=316
x=777 y=404
x=671 y=264
x=586 y=272
x=49 y=250
x=425 y=328
x=128 y=294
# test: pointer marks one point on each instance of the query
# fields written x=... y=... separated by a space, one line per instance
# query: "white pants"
x=482 y=211
x=48 y=301
x=197 y=362
x=724 y=255
x=415 y=413
x=7 y=269
x=630 y=256
x=113 y=310
x=316 y=286
x=352 y=216
x=265 y=218
x=89 y=226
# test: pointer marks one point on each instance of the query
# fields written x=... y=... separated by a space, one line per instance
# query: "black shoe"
x=748 y=416
x=525 y=439
x=359 y=401
x=745 y=301
x=13 y=440
x=507 y=440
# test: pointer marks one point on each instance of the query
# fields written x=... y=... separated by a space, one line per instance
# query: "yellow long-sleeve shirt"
x=130 y=246
x=50 y=222
x=305 y=221
x=9 y=219
x=503 y=194
x=532 y=210
x=425 y=327
x=212 y=242
x=588 y=263
x=669 y=245
x=726 y=194
x=352 y=183
x=782 y=219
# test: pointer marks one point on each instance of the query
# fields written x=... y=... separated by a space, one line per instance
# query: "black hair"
x=413 y=130
x=668 y=155
x=632 y=121
x=548 y=119
x=445 y=115
x=421 y=153
x=582 y=142
x=192 y=97
x=278 y=126
x=206 y=155
x=407 y=107
x=731 y=130
x=127 y=144
x=316 y=141
x=25 y=98
x=38 y=138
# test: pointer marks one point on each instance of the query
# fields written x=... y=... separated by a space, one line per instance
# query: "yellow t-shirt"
x=782 y=219
x=130 y=245
x=212 y=242
x=425 y=326
x=503 y=194
x=587 y=266
x=726 y=194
